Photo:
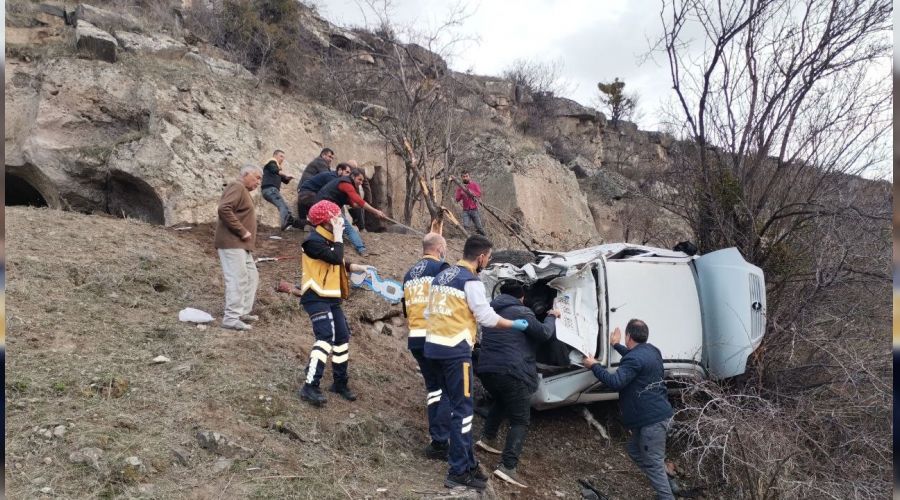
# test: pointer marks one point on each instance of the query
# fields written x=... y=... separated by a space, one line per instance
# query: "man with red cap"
x=324 y=285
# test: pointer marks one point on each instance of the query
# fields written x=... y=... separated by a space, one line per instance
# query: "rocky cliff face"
x=156 y=133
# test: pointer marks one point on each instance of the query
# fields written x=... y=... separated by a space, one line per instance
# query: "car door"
x=733 y=301
x=579 y=304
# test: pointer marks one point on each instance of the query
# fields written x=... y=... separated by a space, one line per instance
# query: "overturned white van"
x=706 y=313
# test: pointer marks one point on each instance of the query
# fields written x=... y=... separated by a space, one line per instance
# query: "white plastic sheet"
x=191 y=315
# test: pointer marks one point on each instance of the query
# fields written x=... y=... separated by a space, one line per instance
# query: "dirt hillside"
x=93 y=300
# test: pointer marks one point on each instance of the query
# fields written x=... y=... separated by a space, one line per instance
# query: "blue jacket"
x=317 y=182
x=511 y=352
x=639 y=380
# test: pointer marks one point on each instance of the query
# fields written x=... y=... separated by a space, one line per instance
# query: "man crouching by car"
x=646 y=411
x=506 y=367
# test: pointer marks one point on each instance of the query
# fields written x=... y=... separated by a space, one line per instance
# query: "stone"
x=221 y=445
x=158 y=45
x=502 y=88
x=59 y=431
x=160 y=360
x=53 y=10
x=132 y=470
x=105 y=18
x=87 y=456
x=220 y=67
x=182 y=456
x=222 y=465
x=364 y=57
x=361 y=109
x=46 y=490
x=48 y=460
x=94 y=43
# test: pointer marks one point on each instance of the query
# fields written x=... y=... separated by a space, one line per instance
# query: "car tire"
x=517 y=258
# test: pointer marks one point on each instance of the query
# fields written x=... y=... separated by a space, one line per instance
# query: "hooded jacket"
x=510 y=352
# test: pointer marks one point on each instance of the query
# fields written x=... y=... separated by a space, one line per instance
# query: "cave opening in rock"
x=131 y=197
x=20 y=192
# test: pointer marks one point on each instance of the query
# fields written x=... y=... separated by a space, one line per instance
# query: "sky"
x=591 y=40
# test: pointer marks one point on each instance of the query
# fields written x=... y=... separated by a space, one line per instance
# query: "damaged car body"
x=706 y=313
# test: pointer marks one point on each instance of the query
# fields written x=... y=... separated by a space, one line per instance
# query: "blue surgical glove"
x=520 y=324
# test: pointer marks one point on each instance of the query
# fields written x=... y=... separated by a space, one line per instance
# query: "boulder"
x=502 y=88
x=220 y=67
x=157 y=44
x=581 y=166
x=53 y=10
x=94 y=43
x=105 y=18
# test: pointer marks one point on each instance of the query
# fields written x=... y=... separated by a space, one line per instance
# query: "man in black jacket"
x=319 y=164
x=506 y=367
x=273 y=177
x=646 y=411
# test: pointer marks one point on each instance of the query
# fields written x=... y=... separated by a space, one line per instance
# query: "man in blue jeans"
x=646 y=411
x=344 y=191
x=272 y=180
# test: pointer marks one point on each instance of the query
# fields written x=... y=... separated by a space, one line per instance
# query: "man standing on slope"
x=646 y=411
x=471 y=215
x=416 y=289
x=235 y=241
x=325 y=284
x=271 y=187
x=456 y=306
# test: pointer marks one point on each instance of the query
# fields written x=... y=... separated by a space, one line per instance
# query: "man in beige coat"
x=235 y=242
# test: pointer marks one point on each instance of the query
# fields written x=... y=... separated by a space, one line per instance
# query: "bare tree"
x=785 y=120
x=782 y=105
x=410 y=97
x=535 y=77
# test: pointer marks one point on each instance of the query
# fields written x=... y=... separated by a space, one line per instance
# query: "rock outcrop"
x=157 y=134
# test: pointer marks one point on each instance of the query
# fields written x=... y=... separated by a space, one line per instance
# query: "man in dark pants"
x=325 y=284
x=307 y=190
x=646 y=411
x=416 y=288
x=507 y=369
x=457 y=304
x=319 y=164
x=273 y=178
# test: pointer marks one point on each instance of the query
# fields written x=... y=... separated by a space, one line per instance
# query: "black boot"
x=313 y=394
x=467 y=480
x=343 y=390
x=437 y=450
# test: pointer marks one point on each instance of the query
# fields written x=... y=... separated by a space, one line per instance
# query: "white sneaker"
x=249 y=318
x=236 y=325
x=488 y=446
